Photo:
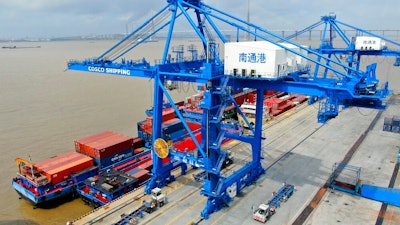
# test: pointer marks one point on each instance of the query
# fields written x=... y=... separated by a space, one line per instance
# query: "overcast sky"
x=57 y=18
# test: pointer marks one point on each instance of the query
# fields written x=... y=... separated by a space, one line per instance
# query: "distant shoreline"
x=393 y=34
x=16 y=47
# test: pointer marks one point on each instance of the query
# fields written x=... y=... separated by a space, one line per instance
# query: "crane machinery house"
x=262 y=59
x=366 y=43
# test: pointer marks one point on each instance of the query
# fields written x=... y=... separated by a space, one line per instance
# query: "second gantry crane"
x=220 y=81
x=352 y=45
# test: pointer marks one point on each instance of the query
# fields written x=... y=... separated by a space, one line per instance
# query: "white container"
x=365 y=43
x=261 y=59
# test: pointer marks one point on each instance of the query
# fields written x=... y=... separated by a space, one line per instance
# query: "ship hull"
x=46 y=199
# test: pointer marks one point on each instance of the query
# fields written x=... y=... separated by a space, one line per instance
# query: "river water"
x=44 y=108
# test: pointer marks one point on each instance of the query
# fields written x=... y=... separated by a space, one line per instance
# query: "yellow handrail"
x=20 y=161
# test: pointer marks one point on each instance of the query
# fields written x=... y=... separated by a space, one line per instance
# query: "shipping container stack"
x=191 y=110
x=60 y=168
x=391 y=124
x=145 y=127
x=140 y=174
x=187 y=144
x=135 y=162
x=106 y=148
x=251 y=98
x=241 y=97
x=193 y=115
x=172 y=128
x=53 y=178
x=141 y=133
x=277 y=106
x=125 y=163
x=141 y=170
x=299 y=99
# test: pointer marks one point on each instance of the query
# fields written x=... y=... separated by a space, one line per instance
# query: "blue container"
x=176 y=135
x=172 y=127
x=133 y=171
x=108 y=161
x=82 y=176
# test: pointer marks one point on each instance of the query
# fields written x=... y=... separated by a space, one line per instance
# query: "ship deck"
x=298 y=151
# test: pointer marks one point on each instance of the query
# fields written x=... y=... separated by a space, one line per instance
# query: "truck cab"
x=263 y=213
x=158 y=197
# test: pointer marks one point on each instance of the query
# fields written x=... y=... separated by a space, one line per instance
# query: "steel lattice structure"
x=347 y=86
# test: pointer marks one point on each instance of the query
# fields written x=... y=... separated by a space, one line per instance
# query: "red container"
x=166 y=160
x=251 y=97
x=240 y=99
x=107 y=146
x=299 y=99
x=179 y=104
x=291 y=97
x=138 y=150
x=198 y=96
x=137 y=143
x=274 y=103
x=168 y=114
x=136 y=162
x=195 y=104
x=287 y=106
x=149 y=120
x=147 y=128
x=142 y=175
x=60 y=168
x=167 y=122
x=187 y=144
x=126 y=166
x=147 y=165
x=275 y=112
x=269 y=92
x=79 y=144
x=193 y=126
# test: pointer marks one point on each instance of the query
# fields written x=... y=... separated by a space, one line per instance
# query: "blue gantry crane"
x=350 y=54
x=208 y=69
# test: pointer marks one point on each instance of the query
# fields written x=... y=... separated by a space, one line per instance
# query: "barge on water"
x=52 y=179
x=57 y=177
x=101 y=189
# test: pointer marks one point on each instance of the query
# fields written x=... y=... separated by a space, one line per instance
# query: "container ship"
x=106 y=165
x=53 y=178
x=117 y=179
x=115 y=155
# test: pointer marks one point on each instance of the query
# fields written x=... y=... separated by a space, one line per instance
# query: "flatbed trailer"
x=266 y=210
